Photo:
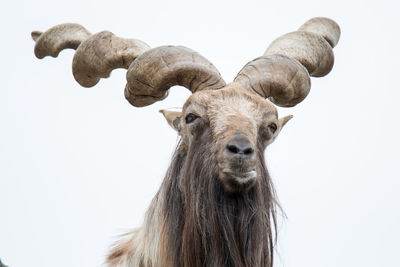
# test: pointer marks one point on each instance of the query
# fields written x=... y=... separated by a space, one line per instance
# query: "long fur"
x=193 y=222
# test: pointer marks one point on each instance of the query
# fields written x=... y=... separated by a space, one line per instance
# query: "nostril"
x=232 y=148
x=248 y=151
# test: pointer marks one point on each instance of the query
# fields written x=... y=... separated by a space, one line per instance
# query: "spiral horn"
x=96 y=55
x=282 y=74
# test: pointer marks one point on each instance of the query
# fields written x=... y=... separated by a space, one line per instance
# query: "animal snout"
x=240 y=146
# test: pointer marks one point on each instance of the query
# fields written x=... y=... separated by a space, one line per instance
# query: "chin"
x=237 y=182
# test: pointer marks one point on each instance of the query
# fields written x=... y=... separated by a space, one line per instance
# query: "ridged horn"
x=280 y=78
x=101 y=53
x=282 y=74
x=58 y=38
x=310 y=45
x=156 y=70
x=96 y=55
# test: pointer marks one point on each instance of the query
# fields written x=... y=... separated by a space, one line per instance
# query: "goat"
x=216 y=206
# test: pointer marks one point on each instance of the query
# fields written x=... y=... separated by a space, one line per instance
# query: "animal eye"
x=191 y=118
x=272 y=127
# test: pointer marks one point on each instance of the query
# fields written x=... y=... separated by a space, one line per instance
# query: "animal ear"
x=173 y=118
x=282 y=121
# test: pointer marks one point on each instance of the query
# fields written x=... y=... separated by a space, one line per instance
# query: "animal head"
x=241 y=124
x=239 y=120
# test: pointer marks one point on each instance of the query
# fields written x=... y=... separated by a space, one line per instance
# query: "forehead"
x=230 y=101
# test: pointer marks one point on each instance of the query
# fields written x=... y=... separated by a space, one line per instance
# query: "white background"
x=79 y=166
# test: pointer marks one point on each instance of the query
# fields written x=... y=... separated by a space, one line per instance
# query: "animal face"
x=242 y=125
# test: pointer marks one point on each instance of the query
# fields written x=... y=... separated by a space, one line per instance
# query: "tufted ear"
x=282 y=121
x=173 y=118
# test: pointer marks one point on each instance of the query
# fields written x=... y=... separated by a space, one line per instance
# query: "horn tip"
x=35 y=35
x=326 y=27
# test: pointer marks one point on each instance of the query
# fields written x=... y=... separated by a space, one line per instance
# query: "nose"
x=240 y=146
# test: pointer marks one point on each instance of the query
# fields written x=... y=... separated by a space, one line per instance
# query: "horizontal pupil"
x=190 y=118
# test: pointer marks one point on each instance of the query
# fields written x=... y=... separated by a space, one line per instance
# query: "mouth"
x=242 y=178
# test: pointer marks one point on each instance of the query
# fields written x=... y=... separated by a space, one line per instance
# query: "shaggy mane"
x=204 y=225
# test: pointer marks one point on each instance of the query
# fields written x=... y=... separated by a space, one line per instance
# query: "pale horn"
x=96 y=55
x=151 y=72
x=282 y=74
x=155 y=71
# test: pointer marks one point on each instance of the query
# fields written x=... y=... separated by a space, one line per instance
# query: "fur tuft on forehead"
x=231 y=109
x=232 y=92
